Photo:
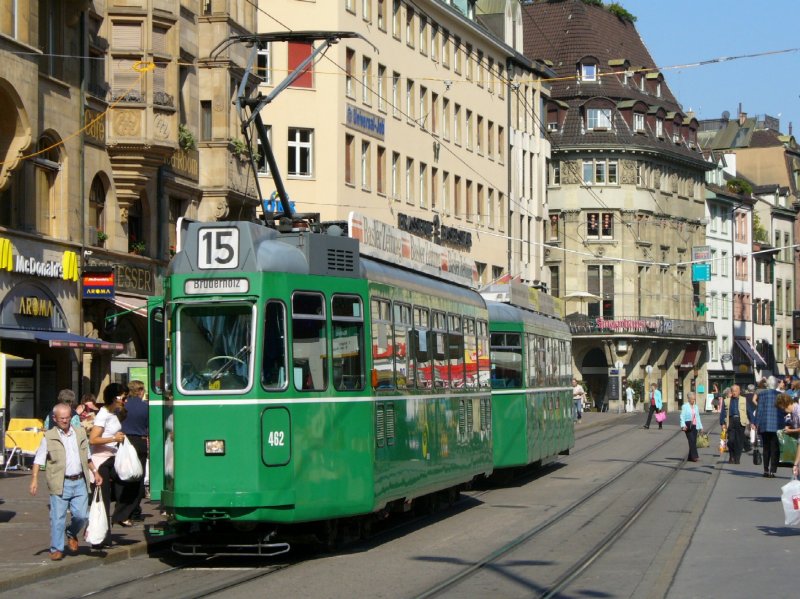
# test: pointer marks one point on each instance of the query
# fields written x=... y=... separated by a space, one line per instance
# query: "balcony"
x=655 y=327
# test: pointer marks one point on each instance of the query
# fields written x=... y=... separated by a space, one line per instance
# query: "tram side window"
x=348 y=342
x=273 y=371
x=441 y=371
x=404 y=361
x=382 y=345
x=422 y=355
x=455 y=351
x=530 y=345
x=484 y=376
x=541 y=363
x=309 y=342
x=506 y=361
x=156 y=349
x=470 y=352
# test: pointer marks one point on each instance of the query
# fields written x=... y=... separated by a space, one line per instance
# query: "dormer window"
x=660 y=127
x=658 y=90
x=598 y=119
x=638 y=121
x=588 y=72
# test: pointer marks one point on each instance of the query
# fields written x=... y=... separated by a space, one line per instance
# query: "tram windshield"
x=215 y=347
x=506 y=361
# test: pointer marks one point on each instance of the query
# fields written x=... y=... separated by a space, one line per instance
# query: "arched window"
x=47 y=166
x=97 y=204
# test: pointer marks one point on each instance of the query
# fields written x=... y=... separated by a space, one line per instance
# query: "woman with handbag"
x=691 y=424
x=104 y=438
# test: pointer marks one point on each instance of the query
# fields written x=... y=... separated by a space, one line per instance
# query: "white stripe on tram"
x=303 y=400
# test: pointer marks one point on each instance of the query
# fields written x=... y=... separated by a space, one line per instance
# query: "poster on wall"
x=20 y=393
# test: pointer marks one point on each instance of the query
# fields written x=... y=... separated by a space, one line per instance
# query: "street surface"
x=623 y=516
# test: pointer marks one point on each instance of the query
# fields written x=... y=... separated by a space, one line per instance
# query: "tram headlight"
x=215 y=447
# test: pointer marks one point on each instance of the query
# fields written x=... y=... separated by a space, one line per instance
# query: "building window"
x=554 y=173
x=778 y=296
x=638 y=121
x=479 y=65
x=301 y=152
x=659 y=127
x=51 y=36
x=501 y=144
x=490 y=140
x=445 y=49
x=410 y=34
x=423 y=34
x=396 y=19
x=48 y=181
x=423 y=106
x=97 y=204
x=446 y=119
x=600 y=172
x=366 y=10
x=457 y=196
x=434 y=188
x=410 y=101
x=410 y=180
x=600 y=225
x=366 y=166
x=298 y=52
x=366 y=80
x=555 y=281
x=469 y=201
x=457 y=124
x=349 y=68
x=468 y=58
x=588 y=72
x=553 y=227
x=600 y=281
x=469 y=130
x=205 y=120
x=381 y=171
x=382 y=15
x=263 y=64
x=349 y=159
x=434 y=42
x=423 y=185
x=381 y=88
x=457 y=55
x=598 y=119
x=479 y=135
x=395 y=176
x=261 y=163
x=396 y=94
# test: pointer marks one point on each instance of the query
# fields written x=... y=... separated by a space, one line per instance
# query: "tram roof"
x=503 y=312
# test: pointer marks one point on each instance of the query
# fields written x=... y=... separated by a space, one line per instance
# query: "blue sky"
x=685 y=31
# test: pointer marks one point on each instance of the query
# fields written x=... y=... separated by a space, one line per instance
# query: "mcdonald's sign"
x=67 y=269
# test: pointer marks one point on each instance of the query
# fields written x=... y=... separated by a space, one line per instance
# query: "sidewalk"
x=25 y=534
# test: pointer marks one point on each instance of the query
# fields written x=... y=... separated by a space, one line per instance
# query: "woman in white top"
x=578 y=397
x=104 y=438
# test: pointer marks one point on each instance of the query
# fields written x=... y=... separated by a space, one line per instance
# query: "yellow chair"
x=23 y=437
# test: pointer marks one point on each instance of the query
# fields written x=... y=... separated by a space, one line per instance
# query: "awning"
x=61 y=339
x=689 y=357
x=131 y=303
x=751 y=353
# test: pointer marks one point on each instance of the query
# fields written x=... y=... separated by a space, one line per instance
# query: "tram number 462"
x=275 y=438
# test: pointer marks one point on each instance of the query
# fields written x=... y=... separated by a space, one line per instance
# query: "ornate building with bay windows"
x=110 y=109
x=626 y=195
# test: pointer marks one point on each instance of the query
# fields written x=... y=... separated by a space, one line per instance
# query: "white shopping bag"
x=126 y=462
x=98 y=520
x=791 y=502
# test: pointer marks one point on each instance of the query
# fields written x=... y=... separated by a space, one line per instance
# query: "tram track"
x=579 y=565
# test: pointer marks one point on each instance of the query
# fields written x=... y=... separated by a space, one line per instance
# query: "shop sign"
x=128 y=278
x=98 y=285
x=185 y=163
x=365 y=122
x=95 y=129
x=35 y=306
x=29 y=305
x=51 y=265
x=435 y=231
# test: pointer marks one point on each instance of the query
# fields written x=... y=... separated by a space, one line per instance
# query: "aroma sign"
x=35 y=306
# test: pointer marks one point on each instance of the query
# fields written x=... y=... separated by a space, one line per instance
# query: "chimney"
x=742 y=118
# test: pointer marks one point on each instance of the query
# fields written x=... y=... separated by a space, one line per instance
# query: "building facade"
x=429 y=122
x=112 y=107
x=627 y=204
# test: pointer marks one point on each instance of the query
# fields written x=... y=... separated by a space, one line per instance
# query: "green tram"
x=304 y=383
x=531 y=351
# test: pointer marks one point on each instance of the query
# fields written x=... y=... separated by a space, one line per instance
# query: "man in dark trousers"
x=136 y=429
x=65 y=451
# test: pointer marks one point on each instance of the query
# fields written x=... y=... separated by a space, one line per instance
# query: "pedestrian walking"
x=691 y=424
x=655 y=405
x=64 y=451
x=734 y=417
x=769 y=420
x=135 y=427
x=578 y=397
x=629 y=398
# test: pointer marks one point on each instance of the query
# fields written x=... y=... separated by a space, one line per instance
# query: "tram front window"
x=215 y=347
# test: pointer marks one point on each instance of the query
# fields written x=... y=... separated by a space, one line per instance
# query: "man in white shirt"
x=628 y=398
x=578 y=396
x=65 y=450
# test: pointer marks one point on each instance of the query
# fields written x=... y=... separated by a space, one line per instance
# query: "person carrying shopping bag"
x=655 y=405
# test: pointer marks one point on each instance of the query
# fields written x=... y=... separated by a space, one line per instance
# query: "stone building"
x=111 y=108
x=627 y=201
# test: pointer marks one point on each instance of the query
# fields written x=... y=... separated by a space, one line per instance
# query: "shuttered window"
x=126 y=80
x=126 y=36
x=160 y=40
